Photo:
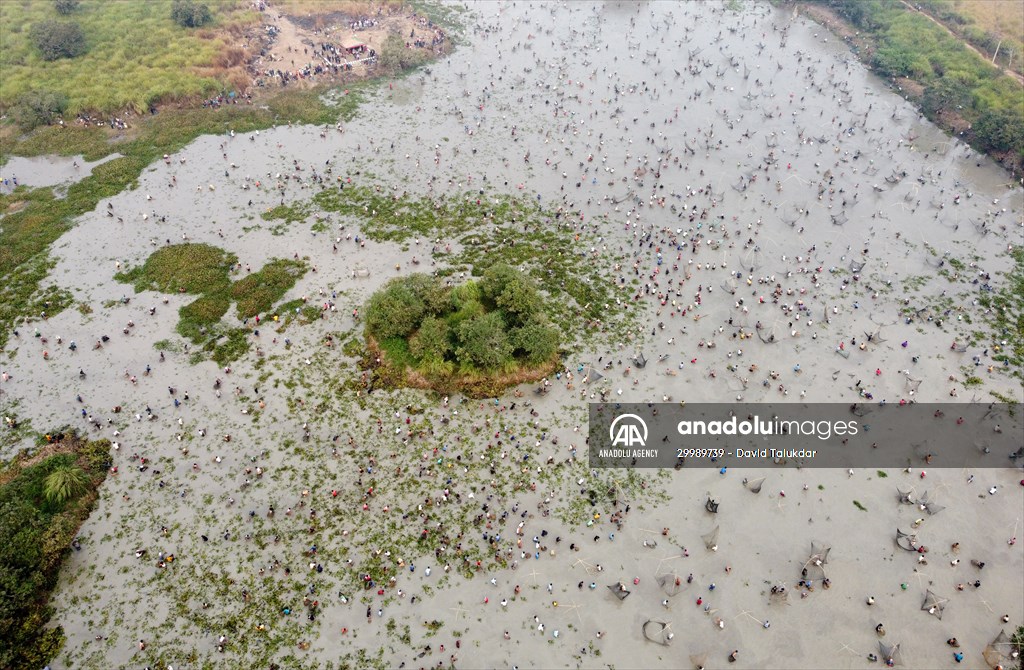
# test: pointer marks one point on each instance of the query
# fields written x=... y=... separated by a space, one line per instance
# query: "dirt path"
x=986 y=58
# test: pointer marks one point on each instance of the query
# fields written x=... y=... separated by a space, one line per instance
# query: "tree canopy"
x=42 y=505
x=58 y=39
x=484 y=326
x=65 y=6
x=188 y=14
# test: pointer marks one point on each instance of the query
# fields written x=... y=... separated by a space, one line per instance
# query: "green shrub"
x=64 y=483
x=38 y=108
x=536 y=341
x=58 y=39
x=432 y=342
x=65 y=6
x=188 y=14
x=395 y=57
x=395 y=311
x=1000 y=130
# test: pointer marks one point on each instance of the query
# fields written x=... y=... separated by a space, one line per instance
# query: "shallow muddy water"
x=628 y=116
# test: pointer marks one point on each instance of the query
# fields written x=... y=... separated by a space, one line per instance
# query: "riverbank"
x=948 y=80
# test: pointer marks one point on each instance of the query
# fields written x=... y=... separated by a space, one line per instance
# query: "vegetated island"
x=477 y=337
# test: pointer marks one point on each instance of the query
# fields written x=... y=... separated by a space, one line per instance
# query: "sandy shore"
x=582 y=89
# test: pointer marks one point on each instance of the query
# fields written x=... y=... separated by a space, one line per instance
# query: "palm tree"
x=65 y=482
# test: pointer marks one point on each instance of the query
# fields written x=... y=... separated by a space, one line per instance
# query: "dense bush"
x=58 y=39
x=483 y=342
x=1000 y=130
x=395 y=56
x=537 y=341
x=65 y=6
x=432 y=342
x=394 y=312
x=38 y=108
x=492 y=324
x=188 y=14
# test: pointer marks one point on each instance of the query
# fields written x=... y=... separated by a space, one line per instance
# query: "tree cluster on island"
x=495 y=324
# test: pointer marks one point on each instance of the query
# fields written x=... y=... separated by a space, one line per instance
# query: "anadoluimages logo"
x=628 y=430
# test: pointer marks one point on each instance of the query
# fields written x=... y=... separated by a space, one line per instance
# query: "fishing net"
x=906 y=541
x=790 y=217
x=927 y=505
x=905 y=497
x=814 y=567
x=671 y=584
x=590 y=373
x=1001 y=652
x=657 y=632
x=711 y=539
x=895 y=177
x=912 y=383
x=619 y=590
x=875 y=336
x=934 y=604
x=890 y=653
x=772 y=332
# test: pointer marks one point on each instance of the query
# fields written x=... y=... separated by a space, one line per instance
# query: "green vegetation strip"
x=204 y=270
x=43 y=501
x=1005 y=316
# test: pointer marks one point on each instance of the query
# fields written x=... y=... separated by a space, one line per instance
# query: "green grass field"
x=987 y=24
x=137 y=55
